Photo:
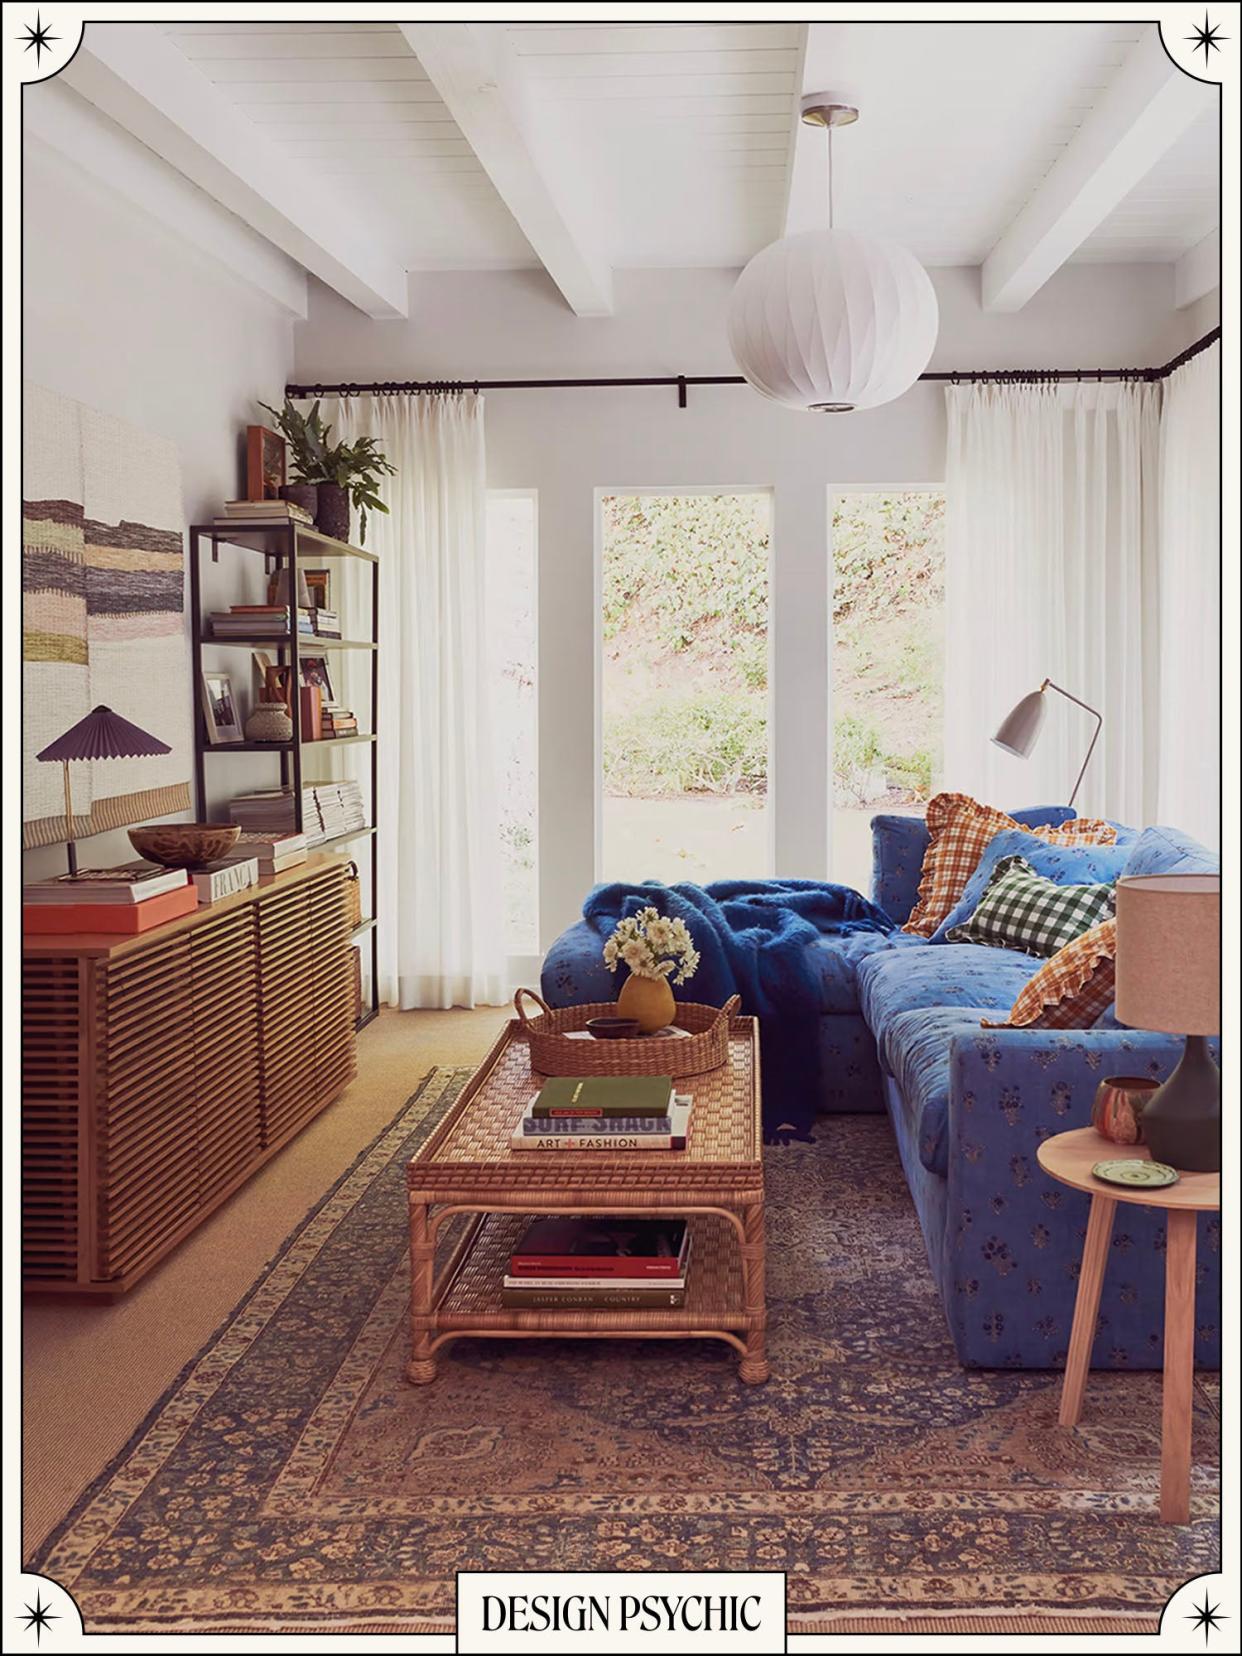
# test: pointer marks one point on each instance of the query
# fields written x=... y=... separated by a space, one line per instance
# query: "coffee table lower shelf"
x=466 y=1299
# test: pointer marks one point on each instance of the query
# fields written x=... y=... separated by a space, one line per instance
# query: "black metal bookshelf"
x=295 y=545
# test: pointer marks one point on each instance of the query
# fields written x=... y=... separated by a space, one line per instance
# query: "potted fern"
x=339 y=473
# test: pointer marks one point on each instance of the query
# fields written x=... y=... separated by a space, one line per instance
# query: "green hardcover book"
x=604 y=1095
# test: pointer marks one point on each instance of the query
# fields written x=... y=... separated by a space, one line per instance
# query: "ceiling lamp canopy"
x=830 y=320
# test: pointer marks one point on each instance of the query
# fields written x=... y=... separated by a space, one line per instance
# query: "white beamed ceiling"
x=685 y=132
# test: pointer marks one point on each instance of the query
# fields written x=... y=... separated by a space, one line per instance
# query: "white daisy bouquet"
x=652 y=946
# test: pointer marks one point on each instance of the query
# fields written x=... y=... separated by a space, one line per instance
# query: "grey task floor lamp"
x=1019 y=730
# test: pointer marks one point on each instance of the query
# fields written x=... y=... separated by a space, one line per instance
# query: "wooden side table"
x=1069 y=1158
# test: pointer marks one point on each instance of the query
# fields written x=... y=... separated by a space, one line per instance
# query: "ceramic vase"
x=332 y=516
x=649 y=1001
x=1117 y=1110
x=270 y=722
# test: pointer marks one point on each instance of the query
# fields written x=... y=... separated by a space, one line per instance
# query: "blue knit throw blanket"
x=753 y=937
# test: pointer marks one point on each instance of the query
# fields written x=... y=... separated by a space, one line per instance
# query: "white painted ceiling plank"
x=144 y=83
x=1144 y=111
x=475 y=71
x=1197 y=272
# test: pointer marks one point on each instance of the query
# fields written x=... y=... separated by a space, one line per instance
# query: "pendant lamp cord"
x=830 y=224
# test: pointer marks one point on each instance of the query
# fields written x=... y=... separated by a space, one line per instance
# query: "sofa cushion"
x=1022 y=910
x=1169 y=851
x=1063 y=864
x=898 y=845
x=918 y=1049
x=959 y=974
x=837 y=959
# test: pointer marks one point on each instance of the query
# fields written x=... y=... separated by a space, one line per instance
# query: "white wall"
x=566 y=444
x=126 y=316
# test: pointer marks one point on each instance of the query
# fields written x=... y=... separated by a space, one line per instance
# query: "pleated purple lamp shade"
x=103 y=734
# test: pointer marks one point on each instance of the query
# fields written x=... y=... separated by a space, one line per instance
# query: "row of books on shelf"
x=247 y=621
x=607 y=1263
x=328 y=809
x=605 y=1112
x=262 y=511
x=136 y=896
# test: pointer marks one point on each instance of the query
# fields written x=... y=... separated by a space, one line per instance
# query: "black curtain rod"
x=967 y=376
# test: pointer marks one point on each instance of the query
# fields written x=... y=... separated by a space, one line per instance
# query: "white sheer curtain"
x=1051 y=558
x=1189 y=599
x=441 y=932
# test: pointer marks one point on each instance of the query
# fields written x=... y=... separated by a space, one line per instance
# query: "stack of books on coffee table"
x=605 y=1113
x=599 y=1263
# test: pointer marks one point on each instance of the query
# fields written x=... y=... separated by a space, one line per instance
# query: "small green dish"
x=1138 y=1175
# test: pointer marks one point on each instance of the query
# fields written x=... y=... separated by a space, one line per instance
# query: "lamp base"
x=1181 y=1122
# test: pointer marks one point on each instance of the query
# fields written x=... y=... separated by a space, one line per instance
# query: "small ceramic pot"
x=1117 y=1111
x=332 y=515
x=270 y=722
x=612 y=1029
x=649 y=1001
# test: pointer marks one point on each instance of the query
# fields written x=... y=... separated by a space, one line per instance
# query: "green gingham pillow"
x=1020 y=909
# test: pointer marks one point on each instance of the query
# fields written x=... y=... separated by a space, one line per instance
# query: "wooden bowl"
x=612 y=1029
x=184 y=844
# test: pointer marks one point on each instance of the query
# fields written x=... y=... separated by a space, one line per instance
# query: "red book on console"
x=122 y=920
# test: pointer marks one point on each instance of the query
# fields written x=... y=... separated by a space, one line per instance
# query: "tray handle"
x=523 y=1019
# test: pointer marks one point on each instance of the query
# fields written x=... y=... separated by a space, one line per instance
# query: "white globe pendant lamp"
x=830 y=320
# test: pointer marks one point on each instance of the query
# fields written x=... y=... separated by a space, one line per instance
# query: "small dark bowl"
x=612 y=1029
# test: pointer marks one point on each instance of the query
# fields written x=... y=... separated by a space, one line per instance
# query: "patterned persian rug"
x=290 y=1479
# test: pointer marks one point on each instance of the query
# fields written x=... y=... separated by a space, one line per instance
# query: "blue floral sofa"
x=900 y=1030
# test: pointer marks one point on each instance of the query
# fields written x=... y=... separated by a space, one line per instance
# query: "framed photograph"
x=220 y=709
x=320 y=583
x=315 y=671
x=265 y=463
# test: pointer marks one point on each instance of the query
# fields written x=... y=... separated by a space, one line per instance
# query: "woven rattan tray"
x=555 y=1051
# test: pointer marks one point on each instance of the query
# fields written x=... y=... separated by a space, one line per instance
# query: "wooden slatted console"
x=160 y=1071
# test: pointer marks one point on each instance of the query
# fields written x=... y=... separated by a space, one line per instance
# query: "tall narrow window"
x=684 y=686
x=888 y=664
x=512 y=646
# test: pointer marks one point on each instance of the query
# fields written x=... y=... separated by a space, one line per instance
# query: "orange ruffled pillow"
x=1073 y=988
x=961 y=830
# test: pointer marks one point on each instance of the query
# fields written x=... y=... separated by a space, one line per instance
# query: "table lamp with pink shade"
x=1168 y=978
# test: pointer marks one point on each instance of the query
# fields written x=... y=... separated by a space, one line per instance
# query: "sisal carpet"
x=291 y=1479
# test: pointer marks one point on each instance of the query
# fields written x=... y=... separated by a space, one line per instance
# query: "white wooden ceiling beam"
x=1197 y=272
x=806 y=204
x=476 y=72
x=137 y=77
x=1141 y=114
x=55 y=115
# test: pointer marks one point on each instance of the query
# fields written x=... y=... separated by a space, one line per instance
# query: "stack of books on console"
x=271 y=852
x=605 y=1112
x=125 y=900
x=619 y=1264
x=262 y=511
x=258 y=621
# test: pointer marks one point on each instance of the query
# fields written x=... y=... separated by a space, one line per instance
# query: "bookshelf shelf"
x=293 y=545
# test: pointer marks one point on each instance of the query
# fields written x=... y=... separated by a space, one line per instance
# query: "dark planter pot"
x=332 y=518
x=305 y=495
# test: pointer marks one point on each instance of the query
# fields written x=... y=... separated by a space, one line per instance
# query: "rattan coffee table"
x=468 y=1167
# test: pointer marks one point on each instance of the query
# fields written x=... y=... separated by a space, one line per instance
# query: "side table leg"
x=421 y=1368
x=1086 y=1307
x=754 y=1365
x=1179 y=1370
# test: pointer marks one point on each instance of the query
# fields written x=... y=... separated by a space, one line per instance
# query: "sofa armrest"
x=1014 y=1235
x=574 y=973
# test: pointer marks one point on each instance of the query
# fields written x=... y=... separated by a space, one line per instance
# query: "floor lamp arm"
x=1099 y=725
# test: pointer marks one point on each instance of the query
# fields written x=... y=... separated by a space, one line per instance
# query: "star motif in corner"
x=39 y=38
x=1206 y=1616
x=1207 y=38
x=37 y=1616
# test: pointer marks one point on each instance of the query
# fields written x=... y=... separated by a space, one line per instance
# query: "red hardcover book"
x=68 y=919
x=312 y=712
x=643 y=1249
